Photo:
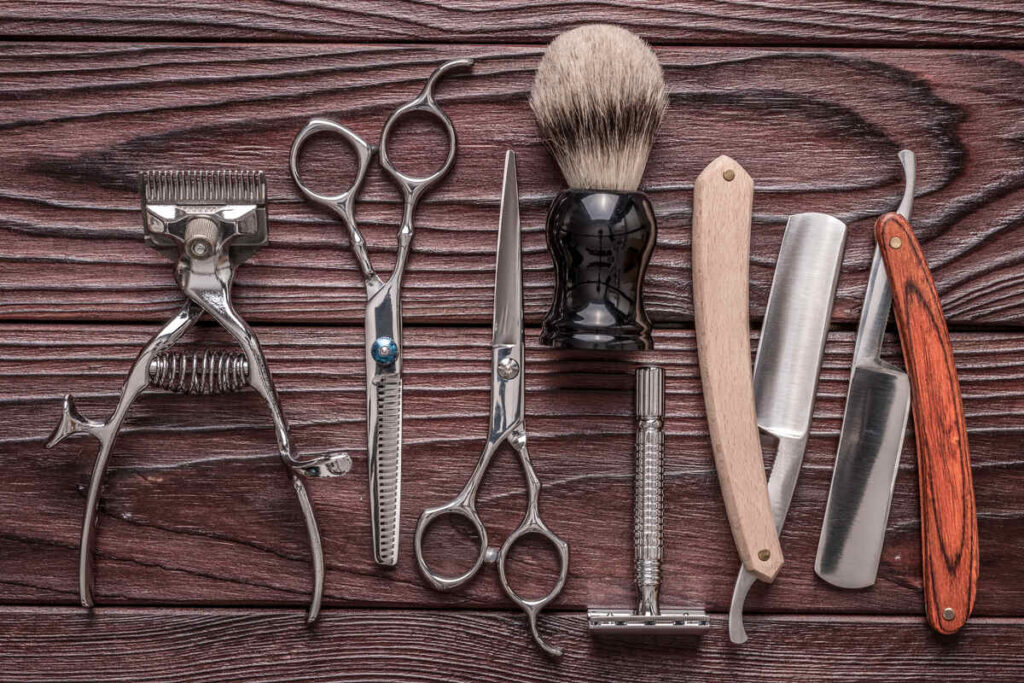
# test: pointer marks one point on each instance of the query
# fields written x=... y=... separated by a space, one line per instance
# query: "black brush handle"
x=601 y=243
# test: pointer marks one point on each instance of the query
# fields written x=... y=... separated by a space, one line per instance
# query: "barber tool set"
x=599 y=98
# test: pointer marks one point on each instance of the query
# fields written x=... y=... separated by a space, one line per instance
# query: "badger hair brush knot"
x=599 y=97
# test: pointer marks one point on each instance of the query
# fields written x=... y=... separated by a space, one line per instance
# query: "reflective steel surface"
x=874 y=424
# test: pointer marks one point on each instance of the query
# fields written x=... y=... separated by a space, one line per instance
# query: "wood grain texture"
x=722 y=206
x=949 y=525
x=225 y=645
x=844 y=22
x=78 y=121
x=196 y=509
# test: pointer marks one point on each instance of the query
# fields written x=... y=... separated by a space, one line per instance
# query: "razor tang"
x=384 y=414
x=789 y=356
x=871 y=439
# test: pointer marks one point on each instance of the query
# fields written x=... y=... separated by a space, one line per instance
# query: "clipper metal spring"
x=199 y=373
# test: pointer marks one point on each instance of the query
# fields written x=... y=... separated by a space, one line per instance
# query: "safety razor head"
x=678 y=622
x=197 y=213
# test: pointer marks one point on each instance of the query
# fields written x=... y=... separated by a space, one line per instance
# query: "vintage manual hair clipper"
x=209 y=222
x=648 y=527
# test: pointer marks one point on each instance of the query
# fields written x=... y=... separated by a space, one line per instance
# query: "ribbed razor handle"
x=648 y=502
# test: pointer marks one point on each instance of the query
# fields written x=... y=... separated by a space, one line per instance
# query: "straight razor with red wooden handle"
x=949 y=524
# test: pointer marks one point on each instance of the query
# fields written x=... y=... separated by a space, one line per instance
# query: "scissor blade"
x=508 y=273
x=385 y=465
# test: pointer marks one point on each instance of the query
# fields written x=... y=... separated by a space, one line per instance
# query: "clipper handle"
x=648 y=502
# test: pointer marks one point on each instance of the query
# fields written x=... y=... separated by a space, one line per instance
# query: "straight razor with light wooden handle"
x=723 y=197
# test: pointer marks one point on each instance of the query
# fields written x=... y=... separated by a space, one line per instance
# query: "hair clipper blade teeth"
x=198 y=188
x=226 y=207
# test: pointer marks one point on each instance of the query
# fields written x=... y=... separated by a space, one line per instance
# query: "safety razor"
x=648 y=527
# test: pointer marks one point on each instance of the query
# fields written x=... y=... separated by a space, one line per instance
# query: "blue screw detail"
x=384 y=351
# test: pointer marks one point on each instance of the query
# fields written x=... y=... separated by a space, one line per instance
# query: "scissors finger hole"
x=327 y=164
x=418 y=144
x=451 y=545
x=533 y=567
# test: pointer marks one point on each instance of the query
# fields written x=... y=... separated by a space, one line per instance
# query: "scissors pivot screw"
x=384 y=351
x=508 y=368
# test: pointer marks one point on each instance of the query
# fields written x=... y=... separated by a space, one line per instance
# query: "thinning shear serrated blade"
x=874 y=424
x=508 y=274
x=386 y=468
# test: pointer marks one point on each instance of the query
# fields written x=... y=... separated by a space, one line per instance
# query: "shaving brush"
x=599 y=97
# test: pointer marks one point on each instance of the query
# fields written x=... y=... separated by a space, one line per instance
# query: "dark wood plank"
x=807 y=125
x=147 y=646
x=197 y=509
x=777 y=22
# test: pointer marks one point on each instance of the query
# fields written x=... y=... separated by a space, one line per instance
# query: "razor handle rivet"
x=508 y=368
x=764 y=555
x=384 y=351
x=895 y=243
x=948 y=614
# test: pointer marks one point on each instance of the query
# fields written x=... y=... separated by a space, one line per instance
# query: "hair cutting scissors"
x=507 y=346
x=383 y=324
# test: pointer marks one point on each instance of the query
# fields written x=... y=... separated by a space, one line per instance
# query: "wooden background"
x=202 y=561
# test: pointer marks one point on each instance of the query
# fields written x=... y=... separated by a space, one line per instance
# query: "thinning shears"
x=383 y=324
x=507 y=352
